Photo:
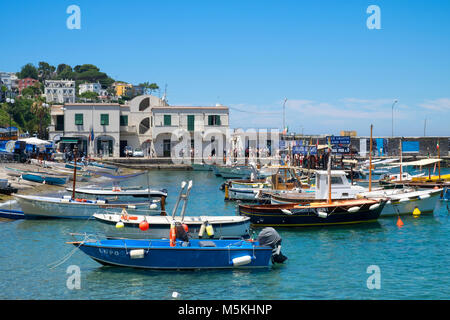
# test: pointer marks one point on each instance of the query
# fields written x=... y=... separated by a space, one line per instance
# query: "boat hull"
x=159 y=227
x=47 y=207
x=291 y=215
x=157 y=254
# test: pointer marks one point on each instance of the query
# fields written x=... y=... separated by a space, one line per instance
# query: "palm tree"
x=40 y=109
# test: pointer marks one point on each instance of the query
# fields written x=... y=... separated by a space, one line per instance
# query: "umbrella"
x=35 y=141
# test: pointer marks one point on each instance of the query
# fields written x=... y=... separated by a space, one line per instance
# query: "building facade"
x=9 y=80
x=90 y=87
x=60 y=91
x=25 y=83
x=146 y=122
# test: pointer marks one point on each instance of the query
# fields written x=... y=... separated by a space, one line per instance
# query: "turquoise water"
x=324 y=263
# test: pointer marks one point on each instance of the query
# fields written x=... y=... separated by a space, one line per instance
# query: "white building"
x=90 y=87
x=60 y=91
x=9 y=80
x=146 y=122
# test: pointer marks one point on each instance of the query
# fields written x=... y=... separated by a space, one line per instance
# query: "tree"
x=89 y=95
x=149 y=87
x=28 y=71
x=40 y=112
x=45 y=70
x=61 y=67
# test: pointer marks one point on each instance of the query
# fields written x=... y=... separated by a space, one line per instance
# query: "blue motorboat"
x=191 y=254
x=11 y=214
x=45 y=178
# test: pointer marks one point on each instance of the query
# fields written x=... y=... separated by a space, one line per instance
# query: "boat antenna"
x=370 y=159
x=183 y=184
x=183 y=209
x=75 y=153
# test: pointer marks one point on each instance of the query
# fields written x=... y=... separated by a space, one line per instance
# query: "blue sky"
x=249 y=55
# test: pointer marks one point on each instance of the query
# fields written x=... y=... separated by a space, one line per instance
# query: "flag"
x=329 y=144
x=91 y=135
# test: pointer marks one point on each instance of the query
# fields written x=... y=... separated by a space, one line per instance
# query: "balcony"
x=128 y=129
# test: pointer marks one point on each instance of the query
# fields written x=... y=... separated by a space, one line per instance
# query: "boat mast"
x=75 y=153
x=329 y=170
x=401 y=159
x=439 y=157
x=370 y=159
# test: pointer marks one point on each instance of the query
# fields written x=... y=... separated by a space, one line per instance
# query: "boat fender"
x=403 y=200
x=353 y=209
x=202 y=230
x=120 y=225
x=172 y=235
x=416 y=212
x=286 y=211
x=137 y=254
x=153 y=206
x=131 y=206
x=101 y=201
x=65 y=200
x=374 y=206
x=240 y=261
x=210 y=230
x=322 y=214
x=424 y=196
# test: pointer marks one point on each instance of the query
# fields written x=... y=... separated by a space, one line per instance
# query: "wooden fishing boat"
x=314 y=213
x=125 y=226
x=120 y=192
x=77 y=208
x=40 y=177
x=176 y=254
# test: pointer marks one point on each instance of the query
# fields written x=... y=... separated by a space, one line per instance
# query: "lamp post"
x=10 y=102
x=393 y=117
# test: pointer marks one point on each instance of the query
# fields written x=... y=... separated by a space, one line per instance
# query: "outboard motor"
x=180 y=232
x=270 y=237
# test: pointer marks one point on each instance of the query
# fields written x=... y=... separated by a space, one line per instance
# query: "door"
x=123 y=144
x=166 y=148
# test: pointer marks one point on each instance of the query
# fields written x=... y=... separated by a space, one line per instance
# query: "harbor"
x=224 y=159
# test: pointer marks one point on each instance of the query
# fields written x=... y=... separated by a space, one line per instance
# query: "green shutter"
x=218 y=121
x=124 y=120
x=190 y=122
x=79 y=119
x=210 y=120
x=167 y=120
x=104 y=119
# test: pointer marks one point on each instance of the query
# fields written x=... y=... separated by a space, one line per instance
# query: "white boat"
x=65 y=207
x=400 y=201
x=128 y=226
x=120 y=192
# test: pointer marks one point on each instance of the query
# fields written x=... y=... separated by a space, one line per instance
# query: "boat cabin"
x=341 y=188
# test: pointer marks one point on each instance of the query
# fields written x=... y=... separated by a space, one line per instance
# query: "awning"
x=68 y=140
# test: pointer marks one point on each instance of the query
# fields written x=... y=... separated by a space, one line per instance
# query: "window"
x=167 y=120
x=78 y=119
x=104 y=119
x=213 y=120
x=190 y=122
x=124 y=120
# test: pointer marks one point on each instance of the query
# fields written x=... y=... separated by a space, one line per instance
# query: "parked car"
x=128 y=151
x=138 y=152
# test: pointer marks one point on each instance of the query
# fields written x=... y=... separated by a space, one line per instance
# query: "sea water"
x=411 y=262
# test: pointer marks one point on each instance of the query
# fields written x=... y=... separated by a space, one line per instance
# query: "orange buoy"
x=185 y=227
x=399 y=222
x=143 y=225
x=172 y=235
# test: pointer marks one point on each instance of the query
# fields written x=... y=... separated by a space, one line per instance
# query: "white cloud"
x=442 y=104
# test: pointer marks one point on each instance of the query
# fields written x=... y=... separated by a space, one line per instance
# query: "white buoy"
x=175 y=294
x=137 y=254
x=153 y=206
x=286 y=211
x=240 y=261
x=322 y=214
x=353 y=209
x=374 y=206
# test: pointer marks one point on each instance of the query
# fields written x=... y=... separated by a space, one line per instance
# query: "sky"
x=251 y=55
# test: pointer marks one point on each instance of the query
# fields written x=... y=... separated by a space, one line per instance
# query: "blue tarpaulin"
x=410 y=146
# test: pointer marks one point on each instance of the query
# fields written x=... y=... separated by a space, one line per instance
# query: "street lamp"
x=11 y=102
x=393 y=117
